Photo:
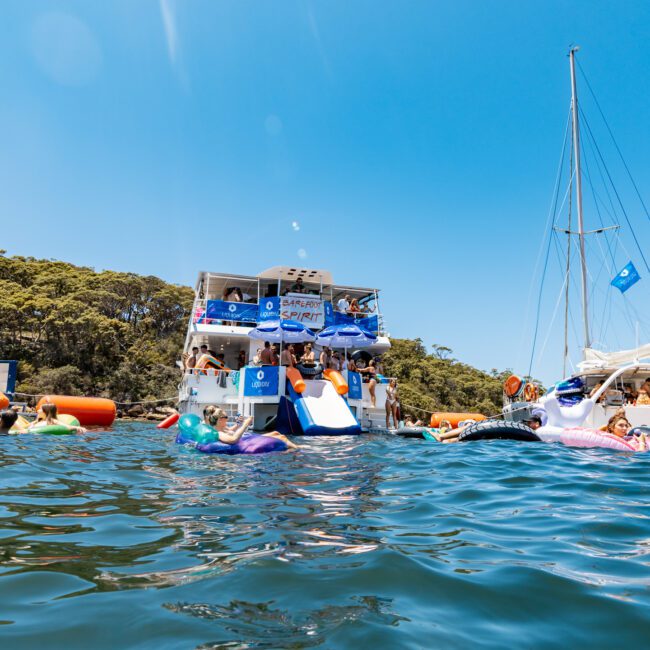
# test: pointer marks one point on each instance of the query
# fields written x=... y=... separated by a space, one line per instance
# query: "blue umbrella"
x=345 y=336
x=283 y=331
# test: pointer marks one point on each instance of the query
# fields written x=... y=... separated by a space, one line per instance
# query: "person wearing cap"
x=534 y=422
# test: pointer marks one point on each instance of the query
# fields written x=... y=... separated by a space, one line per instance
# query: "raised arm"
x=233 y=437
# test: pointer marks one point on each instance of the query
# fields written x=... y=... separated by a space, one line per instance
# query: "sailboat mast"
x=581 y=230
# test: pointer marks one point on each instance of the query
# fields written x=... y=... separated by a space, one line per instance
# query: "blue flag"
x=626 y=278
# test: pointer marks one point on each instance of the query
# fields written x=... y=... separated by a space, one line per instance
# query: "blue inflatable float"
x=191 y=430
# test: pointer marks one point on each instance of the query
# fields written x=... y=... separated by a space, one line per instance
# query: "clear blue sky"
x=415 y=144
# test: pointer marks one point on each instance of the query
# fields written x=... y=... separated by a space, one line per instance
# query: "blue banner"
x=354 y=385
x=330 y=318
x=626 y=278
x=269 y=309
x=370 y=323
x=234 y=311
x=261 y=381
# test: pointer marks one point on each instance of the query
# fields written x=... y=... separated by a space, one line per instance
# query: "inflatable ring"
x=531 y=392
x=512 y=386
x=206 y=439
x=498 y=430
x=414 y=432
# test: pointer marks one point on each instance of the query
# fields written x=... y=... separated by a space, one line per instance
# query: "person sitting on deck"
x=643 y=398
x=7 y=420
x=217 y=418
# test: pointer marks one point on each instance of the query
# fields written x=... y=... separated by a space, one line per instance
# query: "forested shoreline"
x=77 y=331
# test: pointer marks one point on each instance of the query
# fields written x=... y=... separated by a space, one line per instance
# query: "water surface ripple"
x=122 y=539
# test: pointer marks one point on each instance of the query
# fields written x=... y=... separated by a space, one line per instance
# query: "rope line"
x=146 y=401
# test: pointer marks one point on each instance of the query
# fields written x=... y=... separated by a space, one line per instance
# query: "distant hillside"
x=437 y=382
x=79 y=332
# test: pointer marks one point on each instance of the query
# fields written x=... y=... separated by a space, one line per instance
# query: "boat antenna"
x=581 y=230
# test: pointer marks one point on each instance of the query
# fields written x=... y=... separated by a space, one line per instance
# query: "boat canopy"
x=597 y=359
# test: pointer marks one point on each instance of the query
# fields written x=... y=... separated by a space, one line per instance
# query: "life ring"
x=531 y=392
x=512 y=386
x=498 y=430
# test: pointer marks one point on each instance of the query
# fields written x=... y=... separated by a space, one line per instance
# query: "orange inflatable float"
x=88 y=410
x=296 y=380
x=4 y=402
x=336 y=378
x=454 y=418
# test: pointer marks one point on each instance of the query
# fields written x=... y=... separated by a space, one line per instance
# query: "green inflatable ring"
x=57 y=429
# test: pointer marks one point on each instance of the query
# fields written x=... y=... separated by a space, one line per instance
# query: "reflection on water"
x=125 y=538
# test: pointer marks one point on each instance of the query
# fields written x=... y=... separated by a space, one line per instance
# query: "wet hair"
x=49 y=410
x=195 y=348
x=534 y=418
x=212 y=415
x=613 y=421
x=8 y=418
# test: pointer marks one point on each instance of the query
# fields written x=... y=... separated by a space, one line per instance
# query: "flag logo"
x=627 y=277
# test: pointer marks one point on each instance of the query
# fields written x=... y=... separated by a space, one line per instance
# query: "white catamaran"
x=603 y=381
x=230 y=371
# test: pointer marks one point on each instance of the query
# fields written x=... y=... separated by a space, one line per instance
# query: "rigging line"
x=570 y=282
x=550 y=327
x=600 y=170
x=539 y=304
x=550 y=222
x=618 y=198
x=596 y=198
x=620 y=153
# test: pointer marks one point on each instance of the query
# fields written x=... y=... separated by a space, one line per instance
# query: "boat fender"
x=4 y=402
x=170 y=421
x=512 y=386
x=498 y=430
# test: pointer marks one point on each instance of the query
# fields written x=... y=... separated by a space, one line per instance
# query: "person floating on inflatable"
x=620 y=426
x=49 y=419
x=214 y=436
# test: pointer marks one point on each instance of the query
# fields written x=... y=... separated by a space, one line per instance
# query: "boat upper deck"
x=306 y=295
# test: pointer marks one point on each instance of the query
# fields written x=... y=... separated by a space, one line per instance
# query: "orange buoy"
x=168 y=422
x=454 y=418
x=294 y=376
x=88 y=410
x=4 y=401
x=336 y=378
x=512 y=386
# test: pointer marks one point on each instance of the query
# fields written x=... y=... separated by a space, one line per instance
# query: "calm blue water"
x=124 y=540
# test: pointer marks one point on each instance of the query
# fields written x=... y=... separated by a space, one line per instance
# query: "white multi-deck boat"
x=227 y=308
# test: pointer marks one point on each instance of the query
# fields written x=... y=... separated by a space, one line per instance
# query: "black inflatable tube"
x=498 y=430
